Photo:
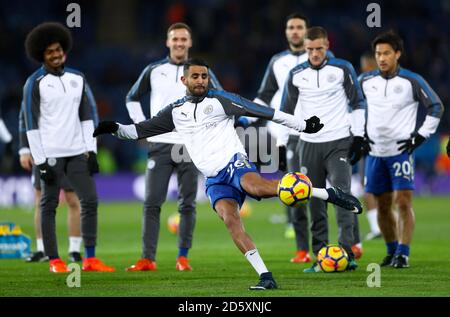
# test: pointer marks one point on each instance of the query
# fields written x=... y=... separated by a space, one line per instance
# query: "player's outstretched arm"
x=235 y=105
x=161 y=123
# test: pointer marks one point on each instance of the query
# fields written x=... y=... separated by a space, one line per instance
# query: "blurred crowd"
x=117 y=39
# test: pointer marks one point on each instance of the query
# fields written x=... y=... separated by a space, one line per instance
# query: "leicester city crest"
x=398 y=89
x=331 y=78
x=73 y=84
x=208 y=109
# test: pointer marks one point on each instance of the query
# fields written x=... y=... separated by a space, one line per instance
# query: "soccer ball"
x=173 y=222
x=294 y=189
x=332 y=258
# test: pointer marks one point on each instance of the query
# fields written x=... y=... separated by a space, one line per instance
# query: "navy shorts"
x=227 y=184
x=386 y=174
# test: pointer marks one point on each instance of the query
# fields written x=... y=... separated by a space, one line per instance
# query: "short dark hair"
x=194 y=62
x=179 y=25
x=316 y=32
x=390 y=37
x=297 y=15
x=44 y=35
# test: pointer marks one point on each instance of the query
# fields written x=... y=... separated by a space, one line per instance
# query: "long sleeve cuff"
x=135 y=111
x=24 y=151
x=127 y=132
x=88 y=129
x=288 y=120
x=37 y=151
x=358 y=121
x=429 y=126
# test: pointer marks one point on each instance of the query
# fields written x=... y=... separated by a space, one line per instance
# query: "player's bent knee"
x=404 y=205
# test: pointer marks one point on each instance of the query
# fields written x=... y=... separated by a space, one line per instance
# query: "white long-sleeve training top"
x=206 y=126
x=392 y=104
x=59 y=112
x=330 y=92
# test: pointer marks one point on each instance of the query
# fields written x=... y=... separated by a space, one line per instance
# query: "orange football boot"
x=183 y=264
x=302 y=256
x=142 y=265
x=357 y=251
x=58 y=266
x=96 y=265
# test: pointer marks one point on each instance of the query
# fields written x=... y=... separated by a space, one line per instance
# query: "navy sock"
x=392 y=247
x=402 y=249
x=183 y=252
x=53 y=257
x=89 y=252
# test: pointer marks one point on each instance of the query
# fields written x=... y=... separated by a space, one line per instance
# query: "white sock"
x=255 y=260
x=74 y=244
x=320 y=193
x=373 y=221
x=40 y=245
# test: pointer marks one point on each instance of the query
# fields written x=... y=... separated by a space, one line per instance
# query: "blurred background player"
x=326 y=86
x=368 y=63
x=162 y=79
x=205 y=120
x=73 y=215
x=393 y=95
x=59 y=111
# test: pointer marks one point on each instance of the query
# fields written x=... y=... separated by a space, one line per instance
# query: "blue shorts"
x=386 y=174
x=227 y=184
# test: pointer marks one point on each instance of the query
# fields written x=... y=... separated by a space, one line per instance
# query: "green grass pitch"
x=219 y=268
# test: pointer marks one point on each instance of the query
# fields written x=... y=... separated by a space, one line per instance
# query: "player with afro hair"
x=44 y=35
x=59 y=115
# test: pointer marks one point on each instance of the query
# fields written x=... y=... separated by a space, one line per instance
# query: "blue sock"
x=402 y=249
x=89 y=252
x=53 y=257
x=183 y=252
x=391 y=247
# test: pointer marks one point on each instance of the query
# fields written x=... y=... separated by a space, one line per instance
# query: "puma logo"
x=184 y=114
x=343 y=159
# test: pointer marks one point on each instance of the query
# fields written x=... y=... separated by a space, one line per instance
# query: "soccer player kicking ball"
x=205 y=121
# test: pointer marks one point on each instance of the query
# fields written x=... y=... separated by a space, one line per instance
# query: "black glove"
x=313 y=125
x=409 y=145
x=106 y=127
x=359 y=148
x=92 y=163
x=282 y=161
x=46 y=173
